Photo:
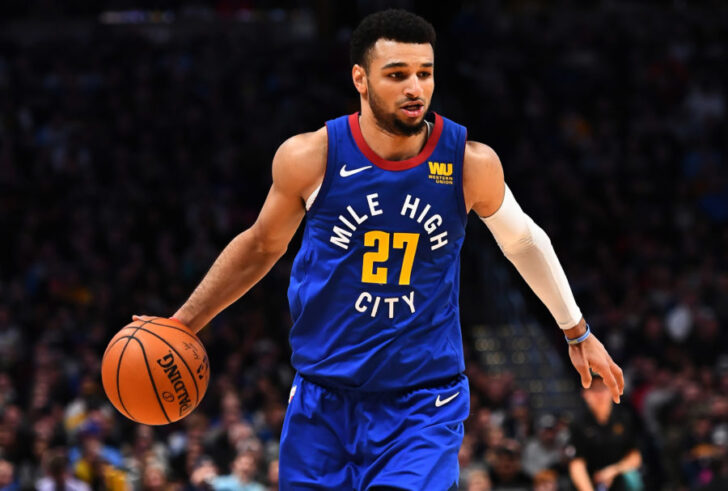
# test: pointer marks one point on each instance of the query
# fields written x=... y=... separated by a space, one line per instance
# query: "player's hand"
x=591 y=354
x=148 y=318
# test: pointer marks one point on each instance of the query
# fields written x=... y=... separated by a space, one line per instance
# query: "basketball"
x=155 y=371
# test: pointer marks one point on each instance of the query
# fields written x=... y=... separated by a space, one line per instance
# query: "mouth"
x=413 y=109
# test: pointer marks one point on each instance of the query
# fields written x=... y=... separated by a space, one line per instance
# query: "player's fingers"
x=586 y=376
x=609 y=380
x=582 y=366
x=618 y=375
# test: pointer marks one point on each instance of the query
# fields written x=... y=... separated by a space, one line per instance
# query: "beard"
x=389 y=122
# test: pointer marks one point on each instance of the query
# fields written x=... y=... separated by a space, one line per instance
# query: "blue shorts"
x=346 y=440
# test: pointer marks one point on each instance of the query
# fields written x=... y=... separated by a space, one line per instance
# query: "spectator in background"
x=605 y=453
x=187 y=463
x=543 y=451
x=10 y=445
x=144 y=453
x=57 y=474
x=478 y=480
x=7 y=391
x=518 y=421
x=10 y=349
x=273 y=475
x=719 y=474
x=546 y=480
x=98 y=465
x=7 y=477
x=186 y=446
x=242 y=477
x=506 y=473
x=468 y=464
x=46 y=433
x=229 y=431
x=154 y=478
x=203 y=474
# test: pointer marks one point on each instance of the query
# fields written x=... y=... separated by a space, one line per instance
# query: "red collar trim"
x=395 y=164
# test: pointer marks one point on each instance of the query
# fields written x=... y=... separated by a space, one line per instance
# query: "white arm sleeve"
x=528 y=247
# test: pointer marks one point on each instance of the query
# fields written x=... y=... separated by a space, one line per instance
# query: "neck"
x=388 y=145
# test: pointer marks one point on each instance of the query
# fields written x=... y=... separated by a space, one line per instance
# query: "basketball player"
x=380 y=397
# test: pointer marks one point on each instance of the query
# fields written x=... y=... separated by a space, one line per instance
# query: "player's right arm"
x=298 y=168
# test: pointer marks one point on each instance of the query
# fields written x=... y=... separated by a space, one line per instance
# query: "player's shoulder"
x=480 y=154
x=305 y=145
x=482 y=178
x=480 y=160
x=302 y=158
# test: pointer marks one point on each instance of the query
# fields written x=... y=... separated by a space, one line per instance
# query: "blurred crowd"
x=127 y=161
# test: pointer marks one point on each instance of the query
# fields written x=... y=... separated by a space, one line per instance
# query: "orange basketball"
x=155 y=371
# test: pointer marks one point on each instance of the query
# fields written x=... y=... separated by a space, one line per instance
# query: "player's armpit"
x=483 y=184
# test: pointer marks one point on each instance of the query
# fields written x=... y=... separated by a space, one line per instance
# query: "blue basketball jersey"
x=374 y=288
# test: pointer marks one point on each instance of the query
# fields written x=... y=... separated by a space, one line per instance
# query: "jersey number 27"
x=370 y=272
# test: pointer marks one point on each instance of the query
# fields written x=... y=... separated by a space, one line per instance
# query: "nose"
x=413 y=88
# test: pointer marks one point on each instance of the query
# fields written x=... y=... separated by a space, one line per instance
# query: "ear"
x=359 y=76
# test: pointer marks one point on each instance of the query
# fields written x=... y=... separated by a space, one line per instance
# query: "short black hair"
x=394 y=24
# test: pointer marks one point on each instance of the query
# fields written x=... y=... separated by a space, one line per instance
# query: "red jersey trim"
x=395 y=164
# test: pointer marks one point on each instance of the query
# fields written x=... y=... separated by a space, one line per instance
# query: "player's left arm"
x=528 y=247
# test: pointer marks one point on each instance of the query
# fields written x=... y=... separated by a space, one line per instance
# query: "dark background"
x=136 y=140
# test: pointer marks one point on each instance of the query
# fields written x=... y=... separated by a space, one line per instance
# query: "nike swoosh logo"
x=346 y=173
x=442 y=402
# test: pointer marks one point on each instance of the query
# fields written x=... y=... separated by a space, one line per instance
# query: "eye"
x=395 y=75
x=424 y=74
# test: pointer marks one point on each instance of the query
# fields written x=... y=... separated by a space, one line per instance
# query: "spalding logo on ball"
x=155 y=371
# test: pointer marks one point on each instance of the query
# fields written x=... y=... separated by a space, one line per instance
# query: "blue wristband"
x=581 y=338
